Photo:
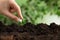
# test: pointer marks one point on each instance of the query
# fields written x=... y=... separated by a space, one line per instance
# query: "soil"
x=30 y=31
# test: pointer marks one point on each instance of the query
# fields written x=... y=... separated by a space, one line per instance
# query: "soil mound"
x=30 y=31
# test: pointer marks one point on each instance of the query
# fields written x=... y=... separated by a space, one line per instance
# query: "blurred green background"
x=37 y=11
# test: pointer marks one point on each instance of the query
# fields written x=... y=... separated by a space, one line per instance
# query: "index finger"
x=18 y=10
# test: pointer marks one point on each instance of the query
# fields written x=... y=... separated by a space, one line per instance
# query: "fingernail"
x=19 y=20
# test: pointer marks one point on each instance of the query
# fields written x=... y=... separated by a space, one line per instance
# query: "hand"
x=7 y=7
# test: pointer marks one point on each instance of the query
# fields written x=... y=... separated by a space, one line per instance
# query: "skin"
x=8 y=7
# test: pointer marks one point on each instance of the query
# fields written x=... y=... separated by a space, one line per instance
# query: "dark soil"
x=30 y=31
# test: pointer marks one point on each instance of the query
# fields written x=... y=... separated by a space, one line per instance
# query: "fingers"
x=18 y=10
x=19 y=13
x=10 y=15
x=12 y=10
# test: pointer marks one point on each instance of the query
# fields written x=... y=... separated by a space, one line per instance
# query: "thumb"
x=10 y=15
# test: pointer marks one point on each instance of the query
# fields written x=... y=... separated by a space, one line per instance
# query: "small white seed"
x=19 y=20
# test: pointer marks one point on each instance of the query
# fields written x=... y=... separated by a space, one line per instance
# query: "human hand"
x=7 y=7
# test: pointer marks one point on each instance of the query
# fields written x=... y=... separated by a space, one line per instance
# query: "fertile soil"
x=30 y=31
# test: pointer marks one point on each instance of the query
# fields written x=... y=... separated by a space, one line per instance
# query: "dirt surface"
x=30 y=31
